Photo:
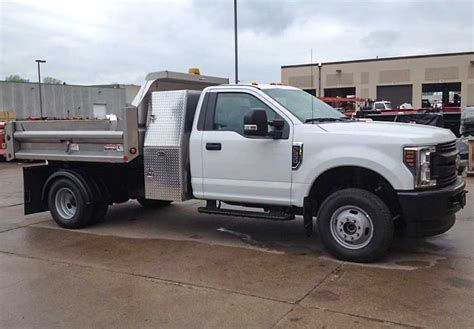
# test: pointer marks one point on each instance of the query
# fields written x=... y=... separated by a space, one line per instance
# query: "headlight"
x=417 y=159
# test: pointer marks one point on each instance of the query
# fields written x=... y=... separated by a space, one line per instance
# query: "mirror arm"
x=278 y=124
x=276 y=134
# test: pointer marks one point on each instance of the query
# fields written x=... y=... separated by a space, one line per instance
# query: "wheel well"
x=356 y=177
x=78 y=178
x=105 y=182
x=94 y=187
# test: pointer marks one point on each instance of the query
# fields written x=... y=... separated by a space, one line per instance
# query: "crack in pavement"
x=284 y=316
x=11 y=205
x=23 y=226
x=222 y=290
x=158 y=279
x=362 y=316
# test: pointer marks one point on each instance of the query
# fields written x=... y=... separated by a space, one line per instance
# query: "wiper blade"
x=326 y=119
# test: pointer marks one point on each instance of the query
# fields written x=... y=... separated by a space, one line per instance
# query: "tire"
x=355 y=225
x=148 y=203
x=99 y=212
x=67 y=204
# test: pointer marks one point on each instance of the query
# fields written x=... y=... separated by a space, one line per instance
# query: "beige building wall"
x=366 y=75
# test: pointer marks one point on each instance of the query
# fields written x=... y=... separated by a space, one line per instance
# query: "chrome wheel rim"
x=352 y=227
x=65 y=202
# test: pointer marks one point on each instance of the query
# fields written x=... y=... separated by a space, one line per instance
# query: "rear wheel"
x=67 y=204
x=148 y=203
x=355 y=225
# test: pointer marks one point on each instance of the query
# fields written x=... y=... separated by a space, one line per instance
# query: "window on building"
x=231 y=109
x=99 y=111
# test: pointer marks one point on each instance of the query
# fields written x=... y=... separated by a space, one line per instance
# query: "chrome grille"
x=446 y=147
x=443 y=167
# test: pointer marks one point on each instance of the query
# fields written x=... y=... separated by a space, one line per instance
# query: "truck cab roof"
x=257 y=86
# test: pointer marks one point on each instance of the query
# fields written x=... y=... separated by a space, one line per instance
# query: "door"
x=397 y=95
x=241 y=168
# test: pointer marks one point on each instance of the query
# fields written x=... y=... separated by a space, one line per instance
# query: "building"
x=443 y=78
x=130 y=90
x=63 y=101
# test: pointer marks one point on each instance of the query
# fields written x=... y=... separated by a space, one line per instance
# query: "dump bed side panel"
x=74 y=140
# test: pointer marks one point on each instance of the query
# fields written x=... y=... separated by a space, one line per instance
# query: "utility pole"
x=312 y=73
x=40 y=61
x=236 y=44
x=320 y=65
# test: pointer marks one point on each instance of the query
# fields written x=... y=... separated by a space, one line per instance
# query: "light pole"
x=40 y=61
x=236 y=46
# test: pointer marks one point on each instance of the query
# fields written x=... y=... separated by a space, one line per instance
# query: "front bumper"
x=432 y=212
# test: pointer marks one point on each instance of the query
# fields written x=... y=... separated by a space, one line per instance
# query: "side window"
x=231 y=109
x=379 y=106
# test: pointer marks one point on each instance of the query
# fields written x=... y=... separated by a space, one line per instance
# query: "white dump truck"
x=273 y=149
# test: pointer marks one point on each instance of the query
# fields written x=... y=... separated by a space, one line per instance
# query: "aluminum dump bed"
x=74 y=140
x=118 y=141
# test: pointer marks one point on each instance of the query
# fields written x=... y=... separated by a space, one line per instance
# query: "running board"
x=243 y=213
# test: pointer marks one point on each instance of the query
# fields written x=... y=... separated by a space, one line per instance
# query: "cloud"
x=380 y=40
x=91 y=42
x=261 y=17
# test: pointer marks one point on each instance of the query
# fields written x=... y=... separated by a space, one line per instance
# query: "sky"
x=105 y=41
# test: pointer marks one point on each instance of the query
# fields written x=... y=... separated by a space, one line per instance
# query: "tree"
x=52 y=81
x=15 y=78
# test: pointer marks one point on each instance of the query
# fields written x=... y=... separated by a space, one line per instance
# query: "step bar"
x=249 y=214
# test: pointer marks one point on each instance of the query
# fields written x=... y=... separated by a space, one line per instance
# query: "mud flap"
x=34 y=178
x=308 y=217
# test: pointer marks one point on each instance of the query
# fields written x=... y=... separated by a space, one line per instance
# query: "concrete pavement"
x=174 y=267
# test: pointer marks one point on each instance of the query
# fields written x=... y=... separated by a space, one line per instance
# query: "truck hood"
x=406 y=132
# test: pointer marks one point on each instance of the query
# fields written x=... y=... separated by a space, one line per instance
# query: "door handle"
x=213 y=146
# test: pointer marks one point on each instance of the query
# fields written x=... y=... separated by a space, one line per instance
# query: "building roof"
x=63 y=84
x=381 y=59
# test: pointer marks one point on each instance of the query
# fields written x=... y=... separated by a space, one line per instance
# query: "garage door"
x=339 y=92
x=395 y=94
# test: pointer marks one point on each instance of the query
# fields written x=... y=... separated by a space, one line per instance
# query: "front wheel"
x=355 y=225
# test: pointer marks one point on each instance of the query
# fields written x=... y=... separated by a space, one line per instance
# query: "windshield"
x=304 y=106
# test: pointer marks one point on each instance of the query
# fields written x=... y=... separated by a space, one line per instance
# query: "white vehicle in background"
x=382 y=106
x=274 y=149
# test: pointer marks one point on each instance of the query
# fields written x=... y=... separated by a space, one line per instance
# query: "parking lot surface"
x=174 y=267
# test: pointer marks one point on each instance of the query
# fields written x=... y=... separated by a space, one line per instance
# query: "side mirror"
x=256 y=123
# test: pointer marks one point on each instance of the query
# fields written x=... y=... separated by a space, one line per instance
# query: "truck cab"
x=274 y=150
x=382 y=106
x=2 y=141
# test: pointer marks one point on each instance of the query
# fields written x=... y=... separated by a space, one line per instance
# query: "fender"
x=316 y=162
x=395 y=172
x=77 y=178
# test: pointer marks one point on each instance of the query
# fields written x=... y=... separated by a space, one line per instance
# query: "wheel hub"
x=351 y=227
x=65 y=202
